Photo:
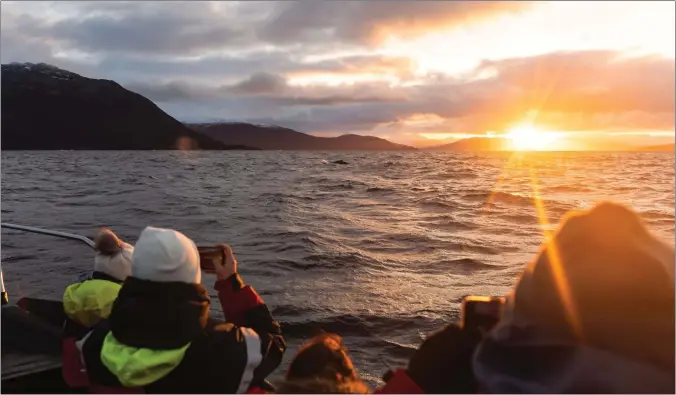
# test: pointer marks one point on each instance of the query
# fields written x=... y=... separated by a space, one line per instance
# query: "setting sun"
x=528 y=138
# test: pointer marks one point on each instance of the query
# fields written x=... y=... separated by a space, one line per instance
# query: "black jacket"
x=220 y=357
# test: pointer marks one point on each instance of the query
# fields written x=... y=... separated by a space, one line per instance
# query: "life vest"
x=85 y=303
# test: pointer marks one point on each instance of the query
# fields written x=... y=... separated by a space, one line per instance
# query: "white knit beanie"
x=166 y=255
x=117 y=265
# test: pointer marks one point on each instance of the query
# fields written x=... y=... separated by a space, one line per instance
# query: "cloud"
x=591 y=90
x=586 y=84
x=592 y=81
x=261 y=83
x=175 y=91
x=369 y=22
x=176 y=28
x=191 y=28
x=319 y=66
x=271 y=89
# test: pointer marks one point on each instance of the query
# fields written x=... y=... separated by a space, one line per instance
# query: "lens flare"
x=528 y=138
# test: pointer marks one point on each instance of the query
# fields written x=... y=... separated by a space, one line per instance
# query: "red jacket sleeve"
x=257 y=390
x=72 y=369
x=400 y=383
x=243 y=307
x=236 y=299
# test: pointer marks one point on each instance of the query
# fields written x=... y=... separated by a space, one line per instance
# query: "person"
x=322 y=365
x=594 y=312
x=160 y=337
x=442 y=364
x=87 y=302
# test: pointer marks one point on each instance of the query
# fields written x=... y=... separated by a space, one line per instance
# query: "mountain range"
x=478 y=144
x=473 y=144
x=279 y=138
x=48 y=108
x=663 y=148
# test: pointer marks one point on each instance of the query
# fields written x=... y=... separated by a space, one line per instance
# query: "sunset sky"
x=417 y=72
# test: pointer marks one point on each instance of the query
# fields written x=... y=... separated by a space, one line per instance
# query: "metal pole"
x=48 y=232
x=5 y=299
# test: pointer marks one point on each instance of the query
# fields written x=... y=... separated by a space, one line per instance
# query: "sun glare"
x=528 y=138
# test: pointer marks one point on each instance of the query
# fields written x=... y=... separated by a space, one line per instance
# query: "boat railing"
x=48 y=232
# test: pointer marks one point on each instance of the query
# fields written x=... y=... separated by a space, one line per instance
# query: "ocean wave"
x=287 y=234
x=521 y=218
x=568 y=188
x=466 y=264
x=357 y=325
x=454 y=175
x=142 y=211
x=290 y=311
x=279 y=197
x=657 y=215
x=449 y=224
x=379 y=189
x=336 y=183
x=476 y=248
x=382 y=249
x=498 y=196
x=417 y=238
x=18 y=258
x=392 y=348
x=436 y=203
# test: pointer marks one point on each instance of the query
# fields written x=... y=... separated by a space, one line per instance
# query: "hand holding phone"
x=218 y=260
x=481 y=312
x=210 y=257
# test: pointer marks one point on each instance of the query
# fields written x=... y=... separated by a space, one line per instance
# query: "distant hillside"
x=478 y=144
x=46 y=108
x=473 y=144
x=278 y=138
x=663 y=147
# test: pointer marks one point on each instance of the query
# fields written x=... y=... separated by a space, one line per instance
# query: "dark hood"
x=97 y=275
x=159 y=315
x=594 y=312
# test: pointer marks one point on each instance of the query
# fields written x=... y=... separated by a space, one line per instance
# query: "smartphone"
x=209 y=257
x=481 y=312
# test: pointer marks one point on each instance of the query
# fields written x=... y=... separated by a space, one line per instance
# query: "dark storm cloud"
x=168 y=41
x=367 y=22
x=174 y=91
x=261 y=83
x=224 y=68
x=271 y=90
x=185 y=28
x=175 y=28
x=203 y=38
x=139 y=34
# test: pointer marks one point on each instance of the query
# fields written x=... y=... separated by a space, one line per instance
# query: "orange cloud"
x=589 y=90
x=407 y=20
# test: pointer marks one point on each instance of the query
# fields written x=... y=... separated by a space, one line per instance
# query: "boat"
x=31 y=336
